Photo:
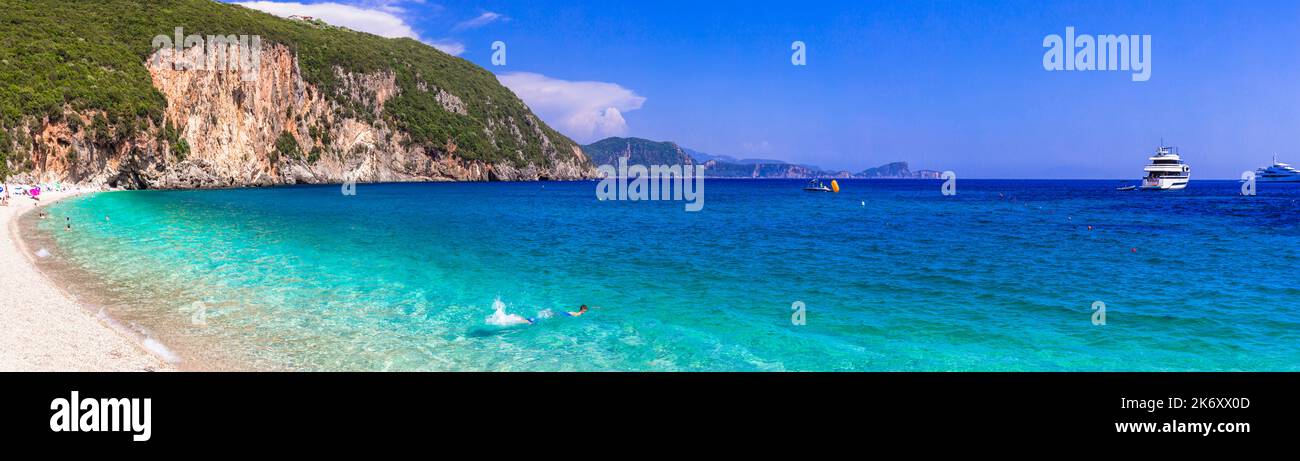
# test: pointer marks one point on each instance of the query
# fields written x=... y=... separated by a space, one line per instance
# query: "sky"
x=955 y=86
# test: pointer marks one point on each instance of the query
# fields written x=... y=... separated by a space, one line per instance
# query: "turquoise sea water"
x=894 y=276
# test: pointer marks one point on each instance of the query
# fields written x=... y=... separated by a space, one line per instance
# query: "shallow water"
x=894 y=276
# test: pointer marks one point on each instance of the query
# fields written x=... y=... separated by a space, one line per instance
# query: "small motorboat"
x=1126 y=188
x=817 y=186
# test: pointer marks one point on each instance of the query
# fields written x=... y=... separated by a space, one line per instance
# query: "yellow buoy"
x=835 y=186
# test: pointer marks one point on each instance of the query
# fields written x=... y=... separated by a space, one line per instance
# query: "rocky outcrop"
x=637 y=151
x=220 y=129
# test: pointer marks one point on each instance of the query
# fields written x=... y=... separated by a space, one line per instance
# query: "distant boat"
x=1126 y=188
x=816 y=186
x=1278 y=172
x=1166 y=171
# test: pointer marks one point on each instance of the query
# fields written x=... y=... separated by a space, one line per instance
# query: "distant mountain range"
x=703 y=157
x=646 y=152
x=638 y=151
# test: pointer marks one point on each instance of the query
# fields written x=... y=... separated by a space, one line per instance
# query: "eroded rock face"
x=230 y=124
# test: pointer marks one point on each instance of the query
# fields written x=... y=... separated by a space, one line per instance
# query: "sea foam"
x=158 y=349
x=501 y=318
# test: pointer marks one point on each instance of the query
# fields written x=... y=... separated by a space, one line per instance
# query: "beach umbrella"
x=35 y=191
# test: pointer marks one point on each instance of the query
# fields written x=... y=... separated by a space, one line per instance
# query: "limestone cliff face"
x=226 y=129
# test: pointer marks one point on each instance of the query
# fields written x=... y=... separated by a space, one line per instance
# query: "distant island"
x=647 y=152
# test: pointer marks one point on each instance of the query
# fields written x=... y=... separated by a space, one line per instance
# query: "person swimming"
x=581 y=310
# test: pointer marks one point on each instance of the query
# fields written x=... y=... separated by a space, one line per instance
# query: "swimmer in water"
x=581 y=310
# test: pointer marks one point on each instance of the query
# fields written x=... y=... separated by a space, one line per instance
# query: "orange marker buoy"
x=835 y=186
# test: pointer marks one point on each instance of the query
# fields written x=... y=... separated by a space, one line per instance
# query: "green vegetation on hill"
x=287 y=146
x=90 y=56
x=639 y=151
x=889 y=170
x=647 y=152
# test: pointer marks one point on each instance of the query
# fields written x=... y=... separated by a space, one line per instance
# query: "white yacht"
x=1166 y=171
x=1279 y=172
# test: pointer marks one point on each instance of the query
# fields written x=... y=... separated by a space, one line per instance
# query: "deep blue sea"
x=892 y=275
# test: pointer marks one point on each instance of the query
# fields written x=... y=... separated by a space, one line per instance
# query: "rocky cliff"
x=333 y=121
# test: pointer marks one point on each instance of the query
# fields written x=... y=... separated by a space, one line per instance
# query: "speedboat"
x=816 y=186
x=1166 y=171
x=1279 y=172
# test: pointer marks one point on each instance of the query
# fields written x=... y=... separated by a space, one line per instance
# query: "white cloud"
x=451 y=47
x=586 y=111
x=395 y=6
x=480 y=21
x=375 y=21
x=381 y=19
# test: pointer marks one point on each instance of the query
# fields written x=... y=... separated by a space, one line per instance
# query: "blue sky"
x=944 y=85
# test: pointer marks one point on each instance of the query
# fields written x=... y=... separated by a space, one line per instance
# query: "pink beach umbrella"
x=35 y=191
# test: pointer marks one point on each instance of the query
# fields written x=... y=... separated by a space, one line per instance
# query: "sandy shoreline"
x=41 y=327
